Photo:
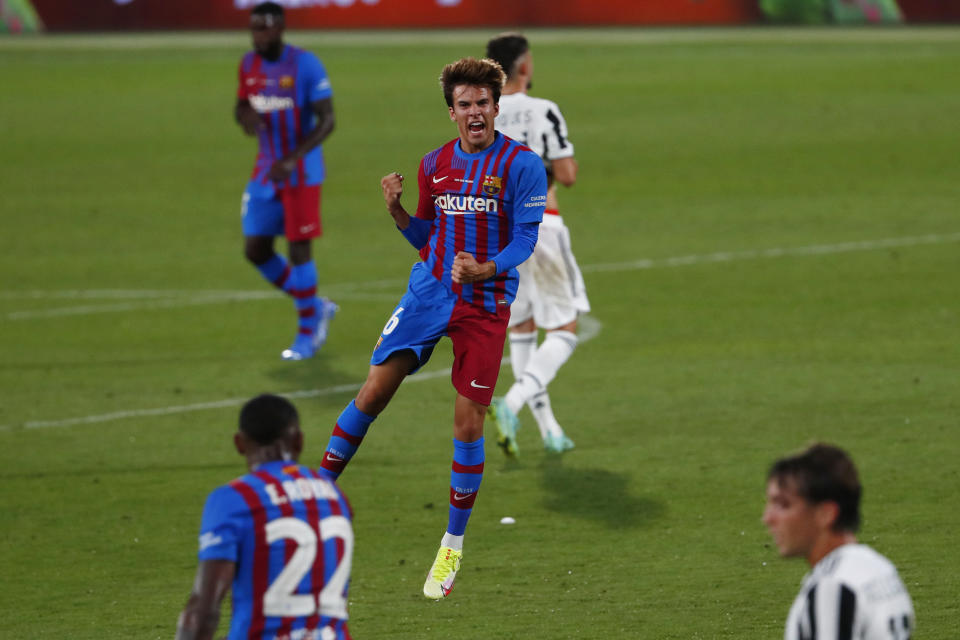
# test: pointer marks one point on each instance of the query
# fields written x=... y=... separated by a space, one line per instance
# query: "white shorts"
x=551 y=287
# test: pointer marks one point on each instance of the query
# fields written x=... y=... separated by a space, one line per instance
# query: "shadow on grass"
x=316 y=374
x=596 y=494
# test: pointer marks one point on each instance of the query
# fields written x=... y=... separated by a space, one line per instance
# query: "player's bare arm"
x=200 y=616
x=392 y=186
x=247 y=117
x=282 y=168
x=466 y=269
x=565 y=171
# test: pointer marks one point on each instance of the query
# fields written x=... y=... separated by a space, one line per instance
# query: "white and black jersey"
x=551 y=289
x=537 y=123
x=853 y=593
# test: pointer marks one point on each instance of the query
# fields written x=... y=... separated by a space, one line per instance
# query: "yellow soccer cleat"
x=442 y=573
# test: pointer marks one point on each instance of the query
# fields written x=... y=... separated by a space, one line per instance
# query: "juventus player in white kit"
x=852 y=592
x=551 y=294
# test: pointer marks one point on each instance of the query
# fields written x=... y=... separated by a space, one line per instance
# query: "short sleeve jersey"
x=852 y=593
x=537 y=123
x=290 y=533
x=282 y=92
x=474 y=201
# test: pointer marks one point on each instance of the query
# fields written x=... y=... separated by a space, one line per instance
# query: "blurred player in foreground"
x=481 y=202
x=284 y=98
x=551 y=294
x=852 y=592
x=280 y=537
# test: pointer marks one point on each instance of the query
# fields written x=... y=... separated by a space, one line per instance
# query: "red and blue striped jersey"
x=282 y=91
x=474 y=201
x=290 y=533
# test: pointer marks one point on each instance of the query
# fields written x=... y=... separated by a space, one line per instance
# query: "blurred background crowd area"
x=33 y=16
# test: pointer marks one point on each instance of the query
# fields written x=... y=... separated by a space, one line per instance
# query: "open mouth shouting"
x=474 y=110
x=477 y=127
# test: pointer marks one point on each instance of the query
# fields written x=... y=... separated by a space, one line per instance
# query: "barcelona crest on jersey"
x=286 y=82
x=492 y=185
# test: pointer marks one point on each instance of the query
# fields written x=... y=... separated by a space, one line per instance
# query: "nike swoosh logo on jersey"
x=457 y=496
x=436 y=180
x=331 y=458
x=473 y=383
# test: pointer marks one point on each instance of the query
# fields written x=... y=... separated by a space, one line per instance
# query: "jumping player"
x=551 y=294
x=481 y=202
x=813 y=512
x=280 y=537
x=284 y=98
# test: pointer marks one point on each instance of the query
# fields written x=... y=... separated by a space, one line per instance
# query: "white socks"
x=522 y=345
x=547 y=423
x=539 y=369
x=452 y=541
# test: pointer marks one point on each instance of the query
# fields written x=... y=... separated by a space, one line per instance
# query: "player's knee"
x=525 y=326
x=374 y=396
x=570 y=327
x=468 y=418
x=300 y=252
x=469 y=430
x=256 y=255
x=563 y=337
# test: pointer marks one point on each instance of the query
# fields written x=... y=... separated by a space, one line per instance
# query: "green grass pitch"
x=769 y=226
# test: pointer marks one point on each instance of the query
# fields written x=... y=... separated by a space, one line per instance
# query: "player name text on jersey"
x=301 y=489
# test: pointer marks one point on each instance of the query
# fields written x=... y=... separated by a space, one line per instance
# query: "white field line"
x=779 y=252
x=186 y=299
x=589 y=329
x=100 y=294
x=135 y=294
x=159 y=299
x=200 y=298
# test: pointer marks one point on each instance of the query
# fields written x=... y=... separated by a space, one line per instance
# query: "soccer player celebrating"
x=551 y=294
x=813 y=511
x=280 y=537
x=481 y=202
x=284 y=98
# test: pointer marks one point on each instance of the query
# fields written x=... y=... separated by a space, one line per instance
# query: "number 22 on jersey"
x=280 y=598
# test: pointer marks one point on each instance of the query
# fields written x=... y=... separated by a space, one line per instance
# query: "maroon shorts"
x=424 y=316
x=301 y=211
x=478 y=338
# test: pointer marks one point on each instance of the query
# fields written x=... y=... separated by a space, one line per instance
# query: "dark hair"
x=470 y=71
x=266 y=418
x=824 y=473
x=506 y=49
x=268 y=9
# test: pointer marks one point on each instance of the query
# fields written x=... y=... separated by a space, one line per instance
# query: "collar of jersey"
x=273 y=463
x=283 y=55
x=497 y=141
